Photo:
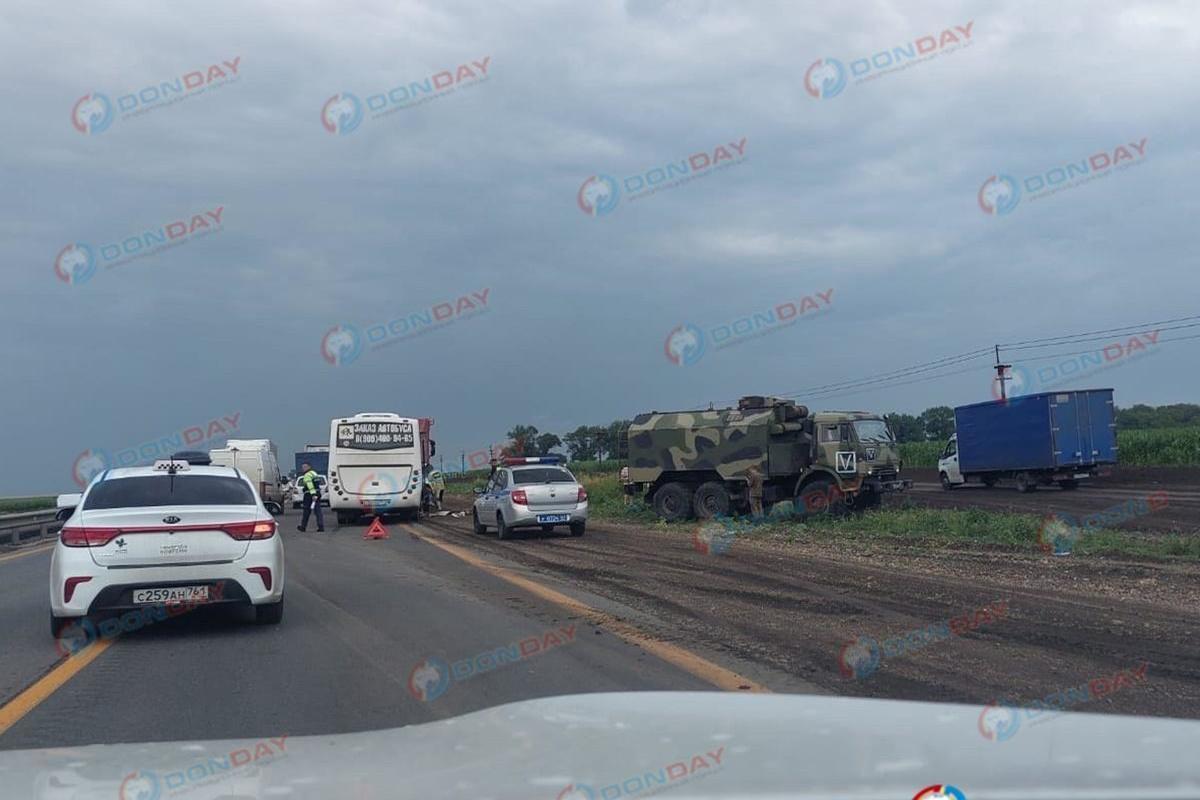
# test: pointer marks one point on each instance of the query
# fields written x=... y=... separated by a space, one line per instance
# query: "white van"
x=257 y=458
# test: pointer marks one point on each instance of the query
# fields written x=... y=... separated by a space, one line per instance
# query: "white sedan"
x=170 y=534
x=530 y=492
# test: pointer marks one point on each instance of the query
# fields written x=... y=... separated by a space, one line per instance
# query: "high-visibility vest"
x=309 y=479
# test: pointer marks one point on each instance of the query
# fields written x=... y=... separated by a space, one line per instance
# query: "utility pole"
x=1000 y=376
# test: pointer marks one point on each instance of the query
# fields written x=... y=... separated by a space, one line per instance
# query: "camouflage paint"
x=729 y=441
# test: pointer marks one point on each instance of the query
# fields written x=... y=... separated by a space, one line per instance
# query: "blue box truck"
x=1036 y=440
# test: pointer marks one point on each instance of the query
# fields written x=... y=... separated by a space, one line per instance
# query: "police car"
x=297 y=490
x=531 y=492
x=174 y=533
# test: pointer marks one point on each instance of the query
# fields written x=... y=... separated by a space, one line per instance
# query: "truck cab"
x=948 y=471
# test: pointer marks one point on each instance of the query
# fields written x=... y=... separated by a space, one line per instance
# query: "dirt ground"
x=1180 y=514
x=793 y=607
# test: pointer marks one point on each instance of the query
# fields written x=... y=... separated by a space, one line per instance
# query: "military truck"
x=701 y=463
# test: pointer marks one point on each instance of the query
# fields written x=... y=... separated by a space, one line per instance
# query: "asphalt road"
x=649 y=611
x=360 y=615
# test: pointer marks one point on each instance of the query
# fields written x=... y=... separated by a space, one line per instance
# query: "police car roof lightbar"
x=516 y=460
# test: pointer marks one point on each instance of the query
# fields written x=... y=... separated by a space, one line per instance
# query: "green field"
x=1161 y=447
x=25 y=504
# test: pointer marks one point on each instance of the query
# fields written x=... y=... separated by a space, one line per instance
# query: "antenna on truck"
x=1000 y=376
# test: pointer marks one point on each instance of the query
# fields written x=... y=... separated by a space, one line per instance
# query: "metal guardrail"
x=27 y=526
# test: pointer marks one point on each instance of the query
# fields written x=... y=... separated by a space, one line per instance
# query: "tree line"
x=585 y=443
x=934 y=424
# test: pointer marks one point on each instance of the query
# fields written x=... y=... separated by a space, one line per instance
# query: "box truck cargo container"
x=1037 y=439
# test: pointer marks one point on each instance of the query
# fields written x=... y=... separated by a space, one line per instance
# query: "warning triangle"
x=376 y=531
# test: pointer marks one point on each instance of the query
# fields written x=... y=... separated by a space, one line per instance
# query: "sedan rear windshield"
x=165 y=490
x=541 y=475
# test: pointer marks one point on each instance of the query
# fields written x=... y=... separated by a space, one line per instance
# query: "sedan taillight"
x=519 y=498
x=244 y=531
x=582 y=498
x=69 y=587
x=79 y=536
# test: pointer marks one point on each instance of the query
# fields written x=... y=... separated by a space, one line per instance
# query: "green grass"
x=26 y=504
x=932 y=528
x=927 y=527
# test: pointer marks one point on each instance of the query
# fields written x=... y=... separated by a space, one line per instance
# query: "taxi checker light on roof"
x=172 y=466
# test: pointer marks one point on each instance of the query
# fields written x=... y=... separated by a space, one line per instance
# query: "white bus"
x=374 y=466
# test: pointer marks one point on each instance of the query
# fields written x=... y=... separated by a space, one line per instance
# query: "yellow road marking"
x=684 y=659
x=48 y=684
x=24 y=553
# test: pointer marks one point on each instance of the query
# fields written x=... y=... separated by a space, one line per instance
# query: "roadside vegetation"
x=905 y=525
x=16 y=506
x=1139 y=447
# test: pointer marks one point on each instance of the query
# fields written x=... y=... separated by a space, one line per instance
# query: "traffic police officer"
x=312 y=497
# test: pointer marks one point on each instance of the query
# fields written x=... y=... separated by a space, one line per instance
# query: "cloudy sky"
x=342 y=211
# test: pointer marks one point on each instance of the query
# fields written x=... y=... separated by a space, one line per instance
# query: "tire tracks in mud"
x=786 y=608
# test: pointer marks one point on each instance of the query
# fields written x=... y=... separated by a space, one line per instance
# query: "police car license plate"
x=544 y=519
x=172 y=594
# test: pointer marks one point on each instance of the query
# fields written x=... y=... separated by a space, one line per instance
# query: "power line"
x=833 y=388
x=898 y=373
x=1088 y=352
x=840 y=393
x=899 y=377
x=1107 y=330
x=1096 y=338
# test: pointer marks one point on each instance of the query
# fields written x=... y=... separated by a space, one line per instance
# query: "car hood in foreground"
x=677 y=744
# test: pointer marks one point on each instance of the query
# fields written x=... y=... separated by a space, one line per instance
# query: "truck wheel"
x=711 y=500
x=672 y=503
x=816 y=499
x=1069 y=484
x=989 y=481
x=946 y=484
x=1026 y=483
